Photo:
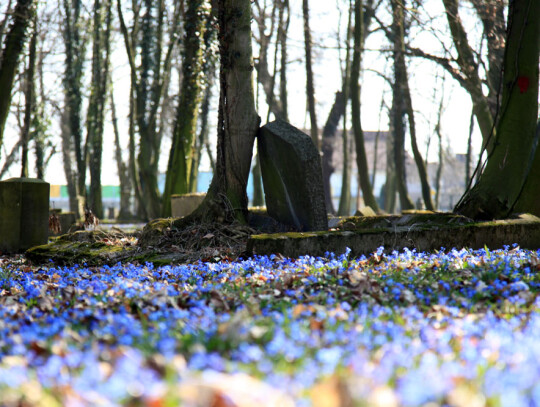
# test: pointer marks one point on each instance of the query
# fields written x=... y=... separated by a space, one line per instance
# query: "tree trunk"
x=438 y=175
x=258 y=195
x=29 y=96
x=361 y=159
x=150 y=81
x=72 y=134
x=344 y=205
x=3 y=24
x=67 y=161
x=264 y=77
x=13 y=47
x=468 y=154
x=283 y=29
x=126 y=186
x=97 y=102
x=399 y=103
x=238 y=121
x=10 y=158
x=404 y=76
x=139 y=210
x=310 y=88
x=390 y=189
x=492 y=15
x=328 y=141
x=508 y=178
x=40 y=123
x=469 y=68
x=204 y=131
x=181 y=153
x=528 y=199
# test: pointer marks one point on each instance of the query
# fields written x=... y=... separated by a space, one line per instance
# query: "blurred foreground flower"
x=211 y=388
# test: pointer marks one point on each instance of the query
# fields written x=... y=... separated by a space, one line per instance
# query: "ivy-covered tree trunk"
x=150 y=76
x=14 y=43
x=508 y=181
x=181 y=154
x=209 y=72
x=238 y=121
x=97 y=102
x=361 y=158
x=71 y=127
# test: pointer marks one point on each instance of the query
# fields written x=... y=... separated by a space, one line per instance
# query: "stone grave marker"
x=184 y=204
x=292 y=177
x=24 y=214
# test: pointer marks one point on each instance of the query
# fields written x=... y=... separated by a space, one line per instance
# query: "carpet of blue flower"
x=455 y=327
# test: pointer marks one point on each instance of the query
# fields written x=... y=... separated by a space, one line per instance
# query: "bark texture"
x=361 y=159
x=238 y=121
x=181 y=153
x=399 y=103
x=73 y=150
x=150 y=81
x=310 y=87
x=14 y=43
x=328 y=140
x=98 y=97
x=510 y=178
x=469 y=69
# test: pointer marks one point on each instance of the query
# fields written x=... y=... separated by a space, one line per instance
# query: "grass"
x=455 y=327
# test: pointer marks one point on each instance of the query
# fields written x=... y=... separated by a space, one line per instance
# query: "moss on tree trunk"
x=238 y=121
x=180 y=157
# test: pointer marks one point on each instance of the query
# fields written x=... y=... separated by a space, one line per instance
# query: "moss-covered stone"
x=401 y=232
x=430 y=220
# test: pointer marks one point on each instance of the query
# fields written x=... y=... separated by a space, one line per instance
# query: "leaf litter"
x=395 y=328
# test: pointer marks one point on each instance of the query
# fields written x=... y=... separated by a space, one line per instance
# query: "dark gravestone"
x=292 y=177
x=24 y=214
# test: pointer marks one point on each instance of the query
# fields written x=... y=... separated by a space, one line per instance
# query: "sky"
x=426 y=81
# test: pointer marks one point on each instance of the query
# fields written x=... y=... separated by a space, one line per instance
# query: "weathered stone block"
x=292 y=177
x=184 y=204
x=24 y=214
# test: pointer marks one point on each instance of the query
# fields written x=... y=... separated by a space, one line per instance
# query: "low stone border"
x=495 y=234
